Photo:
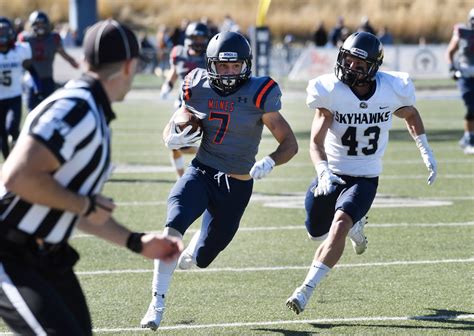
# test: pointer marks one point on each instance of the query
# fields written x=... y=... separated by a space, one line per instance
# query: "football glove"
x=165 y=90
x=177 y=140
x=454 y=73
x=262 y=168
x=327 y=181
x=427 y=156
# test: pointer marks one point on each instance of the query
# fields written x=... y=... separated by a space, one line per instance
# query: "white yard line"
x=285 y=322
x=302 y=227
x=283 y=268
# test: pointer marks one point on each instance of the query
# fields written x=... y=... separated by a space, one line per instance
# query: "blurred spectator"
x=229 y=24
x=163 y=47
x=147 y=59
x=213 y=30
x=177 y=37
x=338 y=33
x=320 y=36
x=385 y=36
x=365 y=26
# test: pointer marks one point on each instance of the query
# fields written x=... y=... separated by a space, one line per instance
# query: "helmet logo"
x=359 y=53
x=228 y=56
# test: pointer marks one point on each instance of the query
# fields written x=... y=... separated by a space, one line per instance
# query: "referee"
x=52 y=182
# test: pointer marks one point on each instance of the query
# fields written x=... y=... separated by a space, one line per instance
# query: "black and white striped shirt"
x=73 y=124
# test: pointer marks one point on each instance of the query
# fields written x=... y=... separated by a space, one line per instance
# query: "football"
x=184 y=118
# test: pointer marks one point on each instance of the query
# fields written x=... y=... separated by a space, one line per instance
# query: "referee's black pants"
x=39 y=292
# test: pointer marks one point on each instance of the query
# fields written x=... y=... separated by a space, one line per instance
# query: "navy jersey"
x=44 y=49
x=184 y=62
x=232 y=125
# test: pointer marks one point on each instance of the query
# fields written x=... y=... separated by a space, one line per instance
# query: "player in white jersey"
x=12 y=60
x=353 y=114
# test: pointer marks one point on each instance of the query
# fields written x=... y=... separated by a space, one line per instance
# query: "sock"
x=162 y=274
x=194 y=244
x=316 y=273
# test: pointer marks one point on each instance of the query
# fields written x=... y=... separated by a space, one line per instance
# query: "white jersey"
x=11 y=70
x=358 y=135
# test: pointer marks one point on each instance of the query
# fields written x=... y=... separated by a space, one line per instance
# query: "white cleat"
x=186 y=260
x=469 y=150
x=152 y=318
x=298 y=300
x=357 y=236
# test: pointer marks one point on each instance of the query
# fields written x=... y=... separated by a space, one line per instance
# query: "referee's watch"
x=134 y=242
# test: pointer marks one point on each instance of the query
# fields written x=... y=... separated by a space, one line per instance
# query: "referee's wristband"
x=134 y=242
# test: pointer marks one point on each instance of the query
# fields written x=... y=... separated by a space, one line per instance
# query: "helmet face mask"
x=7 y=35
x=365 y=47
x=196 y=37
x=228 y=47
x=39 y=23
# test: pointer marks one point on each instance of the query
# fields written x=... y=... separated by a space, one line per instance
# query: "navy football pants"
x=200 y=190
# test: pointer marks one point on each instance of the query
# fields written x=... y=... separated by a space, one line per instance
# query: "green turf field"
x=416 y=278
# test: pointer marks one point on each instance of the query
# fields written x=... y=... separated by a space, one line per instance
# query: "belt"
x=24 y=239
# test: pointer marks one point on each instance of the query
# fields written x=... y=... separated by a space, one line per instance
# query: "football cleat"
x=357 y=236
x=152 y=318
x=298 y=300
x=186 y=260
x=469 y=149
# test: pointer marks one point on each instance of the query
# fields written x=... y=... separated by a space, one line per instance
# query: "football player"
x=460 y=56
x=233 y=107
x=353 y=114
x=183 y=59
x=44 y=44
x=13 y=58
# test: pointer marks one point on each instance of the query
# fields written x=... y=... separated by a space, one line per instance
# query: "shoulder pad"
x=267 y=96
x=318 y=91
x=401 y=84
x=192 y=80
x=176 y=52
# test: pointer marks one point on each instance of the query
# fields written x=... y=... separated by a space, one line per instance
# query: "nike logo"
x=383 y=107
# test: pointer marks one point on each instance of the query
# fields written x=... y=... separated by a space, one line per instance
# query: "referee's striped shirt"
x=73 y=125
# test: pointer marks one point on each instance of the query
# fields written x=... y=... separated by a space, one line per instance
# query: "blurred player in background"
x=14 y=57
x=183 y=59
x=460 y=56
x=353 y=115
x=44 y=45
x=233 y=107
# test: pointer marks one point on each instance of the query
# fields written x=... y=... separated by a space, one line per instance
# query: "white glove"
x=177 y=140
x=427 y=156
x=262 y=168
x=165 y=90
x=327 y=181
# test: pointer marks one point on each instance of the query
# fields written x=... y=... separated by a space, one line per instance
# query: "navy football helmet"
x=196 y=37
x=470 y=19
x=39 y=23
x=365 y=46
x=228 y=47
x=7 y=34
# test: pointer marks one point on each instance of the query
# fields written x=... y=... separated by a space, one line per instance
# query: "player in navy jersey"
x=460 y=56
x=44 y=45
x=233 y=108
x=183 y=59
x=353 y=115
